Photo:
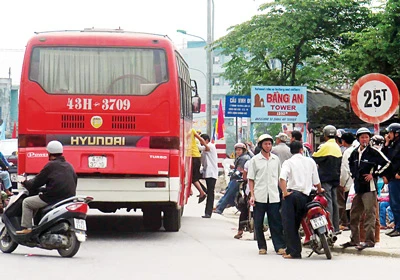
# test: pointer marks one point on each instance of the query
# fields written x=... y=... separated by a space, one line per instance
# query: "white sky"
x=20 y=18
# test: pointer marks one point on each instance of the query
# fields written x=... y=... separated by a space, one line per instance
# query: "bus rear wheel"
x=152 y=219
x=172 y=219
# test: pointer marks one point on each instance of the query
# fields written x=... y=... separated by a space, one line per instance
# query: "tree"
x=376 y=48
x=292 y=43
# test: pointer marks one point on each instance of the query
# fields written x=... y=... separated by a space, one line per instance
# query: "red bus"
x=121 y=103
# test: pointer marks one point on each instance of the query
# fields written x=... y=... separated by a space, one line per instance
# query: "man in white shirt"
x=298 y=175
x=209 y=160
x=345 y=180
x=263 y=178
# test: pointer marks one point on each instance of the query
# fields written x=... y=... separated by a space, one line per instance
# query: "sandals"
x=262 y=251
x=238 y=235
x=202 y=198
x=348 y=244
x=289 y=256
x=281 y=252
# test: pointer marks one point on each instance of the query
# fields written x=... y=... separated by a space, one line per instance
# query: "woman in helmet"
x=263 y=178
x=60 y=179
x=233 y=186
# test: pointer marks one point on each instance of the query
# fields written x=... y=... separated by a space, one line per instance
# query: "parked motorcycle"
x=61 y=226
x=318 y=229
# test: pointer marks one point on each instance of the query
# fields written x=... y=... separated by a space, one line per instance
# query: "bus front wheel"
x=172 y=219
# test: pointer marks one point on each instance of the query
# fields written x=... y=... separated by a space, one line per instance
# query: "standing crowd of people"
x=280 y=179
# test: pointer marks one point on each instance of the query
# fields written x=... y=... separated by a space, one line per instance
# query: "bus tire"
x=151 y=219
x=172 y=219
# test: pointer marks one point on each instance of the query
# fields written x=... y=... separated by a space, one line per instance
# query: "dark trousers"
x=293 y=211
x=275 y=225
x=394 y=201
x=243 y=218
x=210 y=195
x=341 y=199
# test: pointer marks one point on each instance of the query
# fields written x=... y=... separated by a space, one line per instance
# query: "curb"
x=366 y=252
x=229 y=215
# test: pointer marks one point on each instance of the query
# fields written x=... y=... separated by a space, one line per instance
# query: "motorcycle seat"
x=312 y=204
x=46 y=209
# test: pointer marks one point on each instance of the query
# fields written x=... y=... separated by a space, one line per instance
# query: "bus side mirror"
x=196 y=104
x=196 y=100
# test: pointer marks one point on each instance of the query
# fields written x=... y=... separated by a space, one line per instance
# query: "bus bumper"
x=129 y=190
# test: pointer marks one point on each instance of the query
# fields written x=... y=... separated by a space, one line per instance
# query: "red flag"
x=220 y=125
x=14 y=132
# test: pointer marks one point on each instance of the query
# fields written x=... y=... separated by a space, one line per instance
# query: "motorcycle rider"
x=233 y=187
x=5 y=177
x=391 y=149
x=60 y=179
x=366 y=164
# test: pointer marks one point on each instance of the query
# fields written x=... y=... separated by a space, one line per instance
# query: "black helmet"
x=394 y=127
x=378 y=139
x=363 y=130
x=329 y=131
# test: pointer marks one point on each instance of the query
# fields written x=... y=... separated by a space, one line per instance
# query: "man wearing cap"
x=281 y=149
x=329 y=159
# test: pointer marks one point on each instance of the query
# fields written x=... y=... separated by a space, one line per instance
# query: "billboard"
x=279 y=104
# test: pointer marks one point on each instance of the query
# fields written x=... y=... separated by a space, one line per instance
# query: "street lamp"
x=208 y=75
x=184 y=32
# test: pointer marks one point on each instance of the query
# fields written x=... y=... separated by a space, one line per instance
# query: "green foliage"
x=272 y=129
x=293 y=43
x=376 y=48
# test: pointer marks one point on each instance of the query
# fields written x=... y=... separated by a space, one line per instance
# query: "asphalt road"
x=117 y=248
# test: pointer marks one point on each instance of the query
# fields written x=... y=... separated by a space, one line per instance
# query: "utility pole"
x=210 y=11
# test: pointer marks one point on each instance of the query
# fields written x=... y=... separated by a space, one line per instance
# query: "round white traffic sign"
x=374 y=98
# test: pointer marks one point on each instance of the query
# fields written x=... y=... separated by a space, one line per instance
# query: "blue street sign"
x=237 y=106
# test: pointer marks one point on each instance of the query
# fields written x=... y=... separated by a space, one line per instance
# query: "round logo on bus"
x=96 y=121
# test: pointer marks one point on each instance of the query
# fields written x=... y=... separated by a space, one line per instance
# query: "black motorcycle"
x=61 y=226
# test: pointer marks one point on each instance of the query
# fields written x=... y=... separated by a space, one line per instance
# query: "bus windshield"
x=89 y=70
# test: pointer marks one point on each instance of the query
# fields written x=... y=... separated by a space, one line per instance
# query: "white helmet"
x=240 y=145
x=265 y=137
x=54 y=147
x=363 y=130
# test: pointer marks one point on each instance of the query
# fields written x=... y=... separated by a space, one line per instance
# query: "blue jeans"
x=384 y=209
x=229 y=196
x=274 y=222
x=333 y=208
x=5 y=177
x=394 y=200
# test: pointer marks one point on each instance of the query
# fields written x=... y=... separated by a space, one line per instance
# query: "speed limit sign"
x=374 y=98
